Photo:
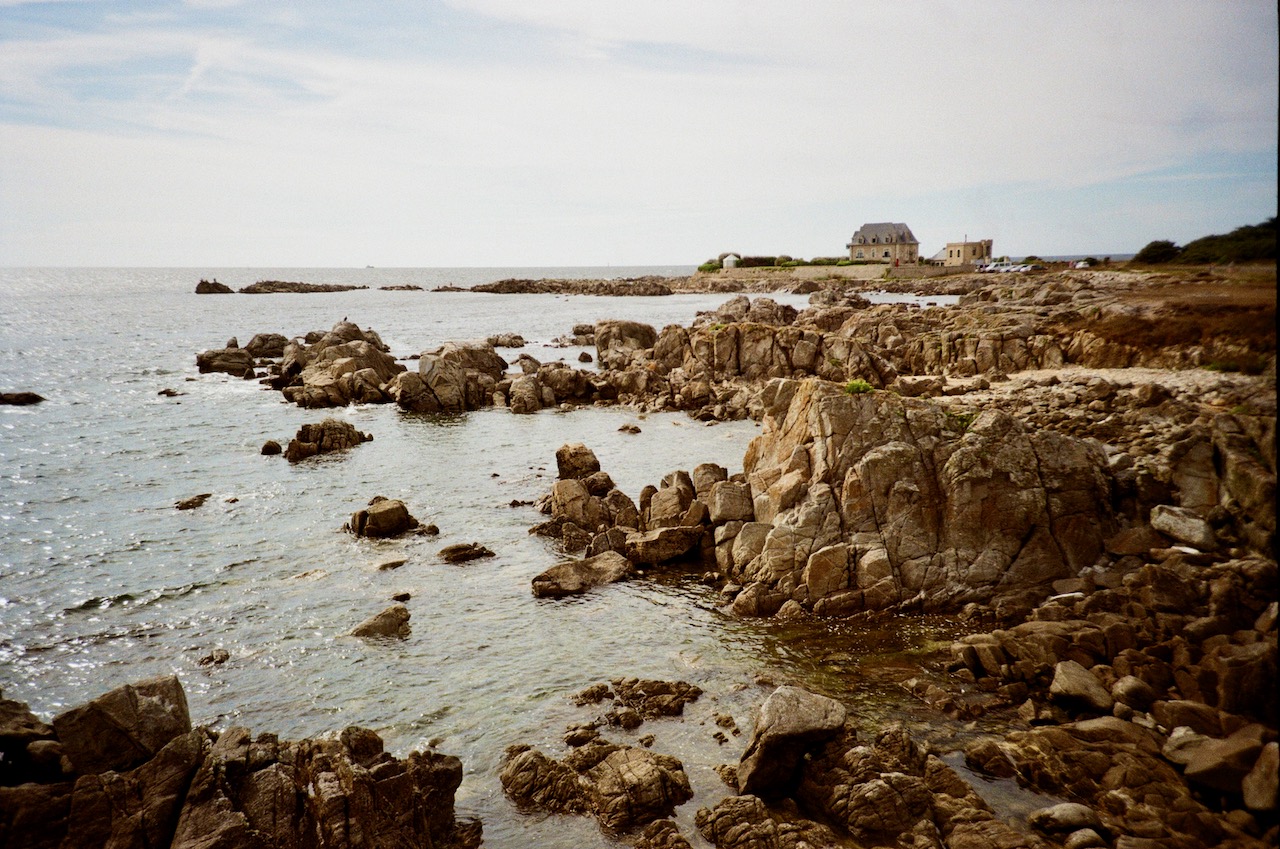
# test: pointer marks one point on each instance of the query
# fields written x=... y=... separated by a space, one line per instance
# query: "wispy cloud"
x=563 y=124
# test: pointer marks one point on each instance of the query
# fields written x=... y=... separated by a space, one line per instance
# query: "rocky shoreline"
x=1080 y=467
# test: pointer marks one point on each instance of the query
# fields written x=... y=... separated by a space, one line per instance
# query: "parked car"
x=1001 y=266
x=1081 y=264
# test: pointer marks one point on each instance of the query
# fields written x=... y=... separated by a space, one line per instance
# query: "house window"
x=859 y=254
x=886 y=254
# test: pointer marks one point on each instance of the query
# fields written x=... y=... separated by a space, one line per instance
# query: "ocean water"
x=104 y=582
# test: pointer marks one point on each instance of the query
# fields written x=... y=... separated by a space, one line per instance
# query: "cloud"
x=569 y=126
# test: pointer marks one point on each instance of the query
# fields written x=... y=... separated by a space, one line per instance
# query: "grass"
x=858 y=386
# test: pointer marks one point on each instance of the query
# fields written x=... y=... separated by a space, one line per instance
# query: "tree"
x=1157 y=252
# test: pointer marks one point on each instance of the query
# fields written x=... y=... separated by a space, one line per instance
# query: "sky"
x=582 y=132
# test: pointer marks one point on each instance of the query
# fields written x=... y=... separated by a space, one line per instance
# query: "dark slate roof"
x=881 y=231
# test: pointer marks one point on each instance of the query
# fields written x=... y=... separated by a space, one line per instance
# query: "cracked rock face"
x=877 y=500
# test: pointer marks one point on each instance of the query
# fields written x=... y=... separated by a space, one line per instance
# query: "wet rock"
x=384 y=517
x=464 y=552
x=20 y=399
x=124 y=727
x=791 y=723
x=327 y=436
x=390 y=623
x=574 y=577
x=217 y=657
x=633 y=787
x=624 y=787
x=194 y=501
x=738 y=822
x=271 y=448
x=652 y=699
x=20 y=729
x=213 y=287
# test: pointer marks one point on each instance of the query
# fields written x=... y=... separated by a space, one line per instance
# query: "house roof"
x=884 y=231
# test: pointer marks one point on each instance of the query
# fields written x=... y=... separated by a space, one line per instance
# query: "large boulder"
x=574 y=577
x=124 y=727
x=384 y=517
x=236 y=362
x=625 y=787
x=454 y=378
x=934 y=510
x=662 y=544
x=633 y=787
x=791 y=723
x=392 y=622
x=575 y=460
x=617 y=341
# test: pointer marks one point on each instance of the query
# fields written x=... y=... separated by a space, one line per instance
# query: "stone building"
x=884 y=242
x=967 y=253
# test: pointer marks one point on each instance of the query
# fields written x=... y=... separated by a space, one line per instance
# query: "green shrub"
x=1157 y=252
x=858 y=386
x=757 y=262
x=959 y=421
x=1251 y=243
x=710 y=265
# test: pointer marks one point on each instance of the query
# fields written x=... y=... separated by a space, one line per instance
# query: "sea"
x=104 y=582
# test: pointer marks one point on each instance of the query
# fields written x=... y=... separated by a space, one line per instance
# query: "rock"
x=729 y=501
x=327 y=436
x=289 y=287
x=651 y=699
x=738 y=822
x=217 y=657
x=617 y=341
x=661 y=834
x=463 y=552
x=1085 y=838
x=1223 y=764
x=1184 y=525
x=951 y=512
x=19 y=730
x=1134 y=692
x=1065 y=817
x=385 y=517
x=662 y=545
x=20 y=399
x=392 y=622
x=633 y=787
x=271 y=448
x=213 y=287
x=1076 y=686
x=236 y=362
x=584 y=357
x=341 y=793
x=536 y=782
x=1260 y=785
x=506 y=340
x=194 y=501
x=575 y=461
x=791 y=723
x=573 y=577
x=392 y=563
x=267 y=345
x=124 y=727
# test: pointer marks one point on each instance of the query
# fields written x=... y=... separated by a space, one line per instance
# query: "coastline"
x=1136 y=396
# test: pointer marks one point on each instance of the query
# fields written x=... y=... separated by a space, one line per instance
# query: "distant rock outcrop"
x=213 y=287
